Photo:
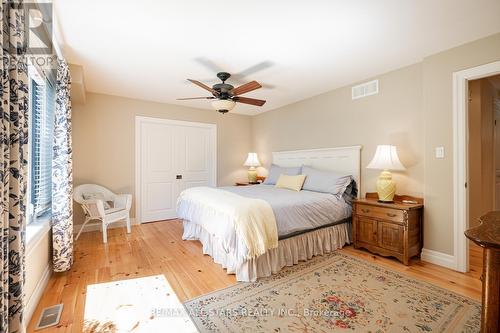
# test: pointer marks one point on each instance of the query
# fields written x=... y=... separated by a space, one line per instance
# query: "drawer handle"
x=391 y=215
x=365 y=210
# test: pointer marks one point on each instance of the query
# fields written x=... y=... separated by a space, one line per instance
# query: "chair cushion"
x=97 y=196
x=112 y=210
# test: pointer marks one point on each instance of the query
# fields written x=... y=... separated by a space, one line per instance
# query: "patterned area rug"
x=335 y=292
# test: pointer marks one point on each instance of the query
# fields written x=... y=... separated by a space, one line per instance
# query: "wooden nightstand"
x=389 y=229
x=245 y=184
x=260 y=180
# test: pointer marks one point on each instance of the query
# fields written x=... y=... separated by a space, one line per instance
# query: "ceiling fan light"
x=223 y=104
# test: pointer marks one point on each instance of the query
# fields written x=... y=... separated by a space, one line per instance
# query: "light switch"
x=439 y=152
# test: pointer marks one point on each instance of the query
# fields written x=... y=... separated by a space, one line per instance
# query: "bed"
x=308 y=223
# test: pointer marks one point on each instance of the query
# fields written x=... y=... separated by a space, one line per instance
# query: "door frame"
x=460 y=157
x=139 y=120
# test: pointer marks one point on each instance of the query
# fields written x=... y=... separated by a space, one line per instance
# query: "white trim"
x=37 y=294
x=345 y=160
x=460 y=193
x=96 y=226
x=438 y=258
x=35 y=232
x=138 y=121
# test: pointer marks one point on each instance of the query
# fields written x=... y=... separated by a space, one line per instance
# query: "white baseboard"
x=95 y=226
x=37 y=294
x=439 y=258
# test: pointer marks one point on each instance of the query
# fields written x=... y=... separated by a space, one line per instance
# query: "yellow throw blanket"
x=252 y=219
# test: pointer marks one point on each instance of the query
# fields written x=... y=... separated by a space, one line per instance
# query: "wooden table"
x=487 y=235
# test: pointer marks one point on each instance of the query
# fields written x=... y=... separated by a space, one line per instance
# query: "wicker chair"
x=99 y=203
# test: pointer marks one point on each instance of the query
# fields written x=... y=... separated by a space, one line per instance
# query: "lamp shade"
x=252 y=160
x=386 y=158
x=223 y=104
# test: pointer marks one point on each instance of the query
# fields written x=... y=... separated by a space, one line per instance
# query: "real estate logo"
x=38 y=25
x=30 y=27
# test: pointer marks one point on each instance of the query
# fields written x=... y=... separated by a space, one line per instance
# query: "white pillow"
x=276 y=171
x=293 y=183
x=325 y=181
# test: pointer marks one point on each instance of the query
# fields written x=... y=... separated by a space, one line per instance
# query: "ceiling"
x=296 y=49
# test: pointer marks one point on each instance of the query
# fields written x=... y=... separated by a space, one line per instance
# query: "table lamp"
x=386 y=158
x=252 y=162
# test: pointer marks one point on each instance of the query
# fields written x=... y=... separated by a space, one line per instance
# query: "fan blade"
x=184 y=99
x=247 y=87
x=252 y=70
x=252 y=101
x=204 y=86
x=209 y=64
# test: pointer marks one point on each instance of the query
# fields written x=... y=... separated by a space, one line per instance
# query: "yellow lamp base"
x=386 y=187
x=252 y=175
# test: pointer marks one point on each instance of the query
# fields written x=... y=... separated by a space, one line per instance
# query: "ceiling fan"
x=225 y=96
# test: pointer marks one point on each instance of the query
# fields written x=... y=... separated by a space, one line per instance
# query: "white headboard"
x=346 y=160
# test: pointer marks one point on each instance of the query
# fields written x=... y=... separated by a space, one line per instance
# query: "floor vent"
x=49 y=317
x=365 y=89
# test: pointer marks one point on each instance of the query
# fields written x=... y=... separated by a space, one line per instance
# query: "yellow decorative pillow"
x=291 y=182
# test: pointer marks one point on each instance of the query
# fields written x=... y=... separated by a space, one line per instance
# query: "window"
x=42 y=104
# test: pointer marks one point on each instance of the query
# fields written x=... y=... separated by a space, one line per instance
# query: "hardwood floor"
x=157 y=248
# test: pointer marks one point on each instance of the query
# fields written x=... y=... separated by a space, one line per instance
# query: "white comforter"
x=227 y=215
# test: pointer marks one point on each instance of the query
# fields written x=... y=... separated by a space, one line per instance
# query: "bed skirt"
x=288 y=253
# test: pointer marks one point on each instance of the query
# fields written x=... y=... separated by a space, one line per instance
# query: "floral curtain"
x=62 y=174
x=13 y=164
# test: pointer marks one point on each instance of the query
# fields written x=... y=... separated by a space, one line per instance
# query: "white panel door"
x=172 y=156
x=195 y=165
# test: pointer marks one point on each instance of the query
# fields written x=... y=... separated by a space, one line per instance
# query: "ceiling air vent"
x=365 y=89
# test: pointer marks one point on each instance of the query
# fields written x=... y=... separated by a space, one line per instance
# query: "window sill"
x=35 y=231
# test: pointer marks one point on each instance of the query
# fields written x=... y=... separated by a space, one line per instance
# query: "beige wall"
x=394 y=116
x=438 y=131
x=413 y=111
x=104 y=140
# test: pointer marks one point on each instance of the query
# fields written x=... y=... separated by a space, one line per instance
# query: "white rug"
x=146 y=304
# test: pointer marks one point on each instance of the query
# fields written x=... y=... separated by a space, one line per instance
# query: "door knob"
x=178 y=177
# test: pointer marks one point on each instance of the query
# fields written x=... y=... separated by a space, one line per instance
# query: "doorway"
x=461 y=172
x=171 y=156
x=483 y=155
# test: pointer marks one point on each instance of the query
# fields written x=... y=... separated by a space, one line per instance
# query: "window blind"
x=42 y=134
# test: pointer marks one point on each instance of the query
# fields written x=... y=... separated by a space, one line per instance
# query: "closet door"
x=195 y=165
x=171 y=156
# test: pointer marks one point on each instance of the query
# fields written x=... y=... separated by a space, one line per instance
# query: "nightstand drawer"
x=384 y=213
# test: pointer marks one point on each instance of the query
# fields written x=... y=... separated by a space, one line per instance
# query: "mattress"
x=298 y=212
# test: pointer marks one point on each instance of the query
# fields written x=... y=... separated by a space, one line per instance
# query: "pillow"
x=96 y=196
x=325 y=181
x=350 y=193
x=276 y=171
x=291 y=182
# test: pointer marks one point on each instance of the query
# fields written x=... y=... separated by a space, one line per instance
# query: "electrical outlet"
x=440 y=152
